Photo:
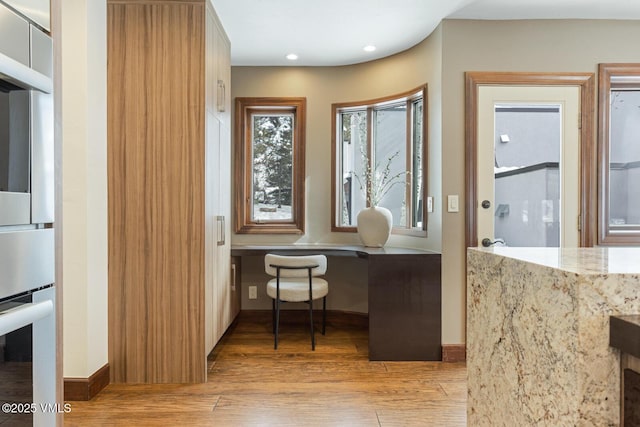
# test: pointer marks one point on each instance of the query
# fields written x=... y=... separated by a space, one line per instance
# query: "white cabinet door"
x=223 y=75
x=218 y=245
x=218 y=290
x=224 y=243
x=212 y=198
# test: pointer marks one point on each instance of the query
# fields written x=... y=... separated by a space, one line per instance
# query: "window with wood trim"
x=379 y=158
x=269 y=165
x=619 y=154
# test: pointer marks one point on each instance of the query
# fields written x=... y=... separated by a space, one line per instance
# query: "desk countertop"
x=624 y=334
x=326 y=249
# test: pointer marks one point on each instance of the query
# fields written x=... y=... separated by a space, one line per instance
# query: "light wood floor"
x=250 y=384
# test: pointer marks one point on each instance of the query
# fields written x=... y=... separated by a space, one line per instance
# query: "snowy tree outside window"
x=272 y=166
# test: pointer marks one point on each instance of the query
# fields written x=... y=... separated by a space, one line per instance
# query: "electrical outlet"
x=253 y=292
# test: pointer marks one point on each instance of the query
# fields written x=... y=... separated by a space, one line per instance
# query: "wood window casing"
x=409 y=98
x=244 y=222
x=626 y=76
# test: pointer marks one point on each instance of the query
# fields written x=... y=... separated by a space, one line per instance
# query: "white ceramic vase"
x=374 y=226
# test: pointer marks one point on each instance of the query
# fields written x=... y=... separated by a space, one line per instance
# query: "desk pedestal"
x=404 y=288
x=404 y=307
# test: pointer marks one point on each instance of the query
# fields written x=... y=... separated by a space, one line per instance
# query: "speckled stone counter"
x=538 y=334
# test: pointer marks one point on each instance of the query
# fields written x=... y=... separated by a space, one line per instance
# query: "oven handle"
x=24 y=76
x=24 y=315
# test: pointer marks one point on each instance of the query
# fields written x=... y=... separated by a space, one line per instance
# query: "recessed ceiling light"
x=292 y=57
x=369 y=48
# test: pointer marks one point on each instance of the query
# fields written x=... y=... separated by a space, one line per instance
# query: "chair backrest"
x=295 y=261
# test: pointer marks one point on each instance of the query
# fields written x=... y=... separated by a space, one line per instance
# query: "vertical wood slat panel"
x=156 y=199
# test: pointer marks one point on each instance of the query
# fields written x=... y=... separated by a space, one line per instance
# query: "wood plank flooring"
x=250 y=384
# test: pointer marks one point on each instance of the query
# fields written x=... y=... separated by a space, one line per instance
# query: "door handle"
x=224 y=231
x=233 y=277
x=487 y=242
x=221 y=230
x=222 y=95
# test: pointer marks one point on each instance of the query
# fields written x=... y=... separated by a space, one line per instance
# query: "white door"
x=528 y=166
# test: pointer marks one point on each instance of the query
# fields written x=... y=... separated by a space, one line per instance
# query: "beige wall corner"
x=84 y=192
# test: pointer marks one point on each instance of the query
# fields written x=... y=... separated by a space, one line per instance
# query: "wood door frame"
x=588 y=168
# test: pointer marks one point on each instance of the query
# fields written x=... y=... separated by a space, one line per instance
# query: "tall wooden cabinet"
x=170 y=289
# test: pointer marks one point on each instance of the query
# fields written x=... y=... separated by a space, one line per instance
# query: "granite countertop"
x=601 y=260
x=538 y=333
x=624 y=334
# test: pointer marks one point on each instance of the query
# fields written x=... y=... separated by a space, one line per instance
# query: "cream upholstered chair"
x=296 y=281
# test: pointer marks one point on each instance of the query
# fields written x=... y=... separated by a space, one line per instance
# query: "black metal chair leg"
x=324 y=315
x=273 y=316
x=313 y=340
x=275 y=338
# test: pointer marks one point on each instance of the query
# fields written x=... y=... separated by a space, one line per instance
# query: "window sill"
x=264 y=228
x=394 y=231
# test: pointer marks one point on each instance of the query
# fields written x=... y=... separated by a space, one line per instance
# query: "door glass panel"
x=527 y=156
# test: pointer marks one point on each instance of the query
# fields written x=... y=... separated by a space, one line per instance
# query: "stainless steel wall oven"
x=26 y=122
x=27 y=249
x=27 y=359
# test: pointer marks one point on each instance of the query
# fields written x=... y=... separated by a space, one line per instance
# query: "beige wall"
x=546 y=45
x=455 y=47
x=440 y=61
x=84 y=181
x=323 y=86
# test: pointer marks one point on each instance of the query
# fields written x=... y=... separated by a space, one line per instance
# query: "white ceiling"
x=334 y=32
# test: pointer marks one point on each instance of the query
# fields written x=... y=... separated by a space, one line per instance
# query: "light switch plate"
x=452 y=203
x=429 y=204
x=253 y=292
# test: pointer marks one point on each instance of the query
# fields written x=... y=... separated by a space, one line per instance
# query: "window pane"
x=416 y=183
x=353 y=136
x=390 y=153
x=378 y=161
x=272 y=165
x=624 y=160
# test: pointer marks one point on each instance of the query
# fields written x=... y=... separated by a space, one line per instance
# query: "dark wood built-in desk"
x=404 y=288
x=624 y=334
